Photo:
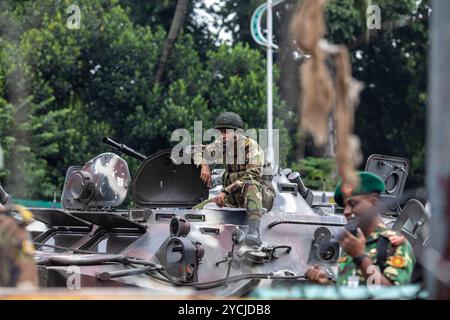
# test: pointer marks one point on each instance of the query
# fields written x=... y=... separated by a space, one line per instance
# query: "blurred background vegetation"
x=62 y=90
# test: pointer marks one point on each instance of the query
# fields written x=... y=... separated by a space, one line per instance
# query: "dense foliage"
x=62 y=89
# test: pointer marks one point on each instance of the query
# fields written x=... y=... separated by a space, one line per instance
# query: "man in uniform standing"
x=243 y=182
x=375 y=255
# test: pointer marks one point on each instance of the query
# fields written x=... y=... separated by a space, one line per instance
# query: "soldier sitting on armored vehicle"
x=375 y=255
x=243 y=183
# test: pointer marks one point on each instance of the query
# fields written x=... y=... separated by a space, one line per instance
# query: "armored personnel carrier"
x=163 y=244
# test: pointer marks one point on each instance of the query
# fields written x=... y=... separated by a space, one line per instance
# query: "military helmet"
x=229 y=120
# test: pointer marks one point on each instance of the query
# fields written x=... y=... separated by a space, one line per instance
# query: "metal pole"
x=269 y=82
x=438 y=150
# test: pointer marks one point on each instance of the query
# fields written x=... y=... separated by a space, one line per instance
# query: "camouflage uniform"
x=398 y=266
x=17 y=265
x=243 y=180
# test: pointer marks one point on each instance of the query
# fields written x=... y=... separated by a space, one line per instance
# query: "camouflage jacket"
x=17 y=265
x=243 y=161
x=398 y=266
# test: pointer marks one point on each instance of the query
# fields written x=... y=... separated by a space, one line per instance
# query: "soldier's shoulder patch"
x=396 y=261
x=26 y=214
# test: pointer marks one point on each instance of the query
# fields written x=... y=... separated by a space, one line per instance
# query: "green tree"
x=391 y=118
x=317 y=173
x=78 y=85
x=392 y=63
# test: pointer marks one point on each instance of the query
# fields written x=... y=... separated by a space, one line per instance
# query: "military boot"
x=252 y=237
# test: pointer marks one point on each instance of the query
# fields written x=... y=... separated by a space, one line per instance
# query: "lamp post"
x=269 y=83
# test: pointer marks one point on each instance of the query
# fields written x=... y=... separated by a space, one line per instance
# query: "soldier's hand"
x=220 y=199
x=353 y=246
x=397 y=240
x=315 y=274
x=205 y=174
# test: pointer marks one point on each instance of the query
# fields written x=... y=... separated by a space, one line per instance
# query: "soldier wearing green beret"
x=243 y=183
x=376 y=255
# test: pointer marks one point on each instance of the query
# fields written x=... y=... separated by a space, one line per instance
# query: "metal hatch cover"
x=57 y=218
x=102 y=182
x=393 y=171
x=160 y=183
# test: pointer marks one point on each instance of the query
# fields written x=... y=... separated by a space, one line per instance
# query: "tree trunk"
x=174 y=32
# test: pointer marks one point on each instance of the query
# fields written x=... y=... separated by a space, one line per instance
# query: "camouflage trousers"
x=251 y=195
x=16 y=254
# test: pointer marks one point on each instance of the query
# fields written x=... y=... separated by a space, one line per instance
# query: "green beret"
x=369 y=183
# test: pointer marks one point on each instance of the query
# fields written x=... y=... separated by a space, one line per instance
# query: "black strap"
x=383 y=249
